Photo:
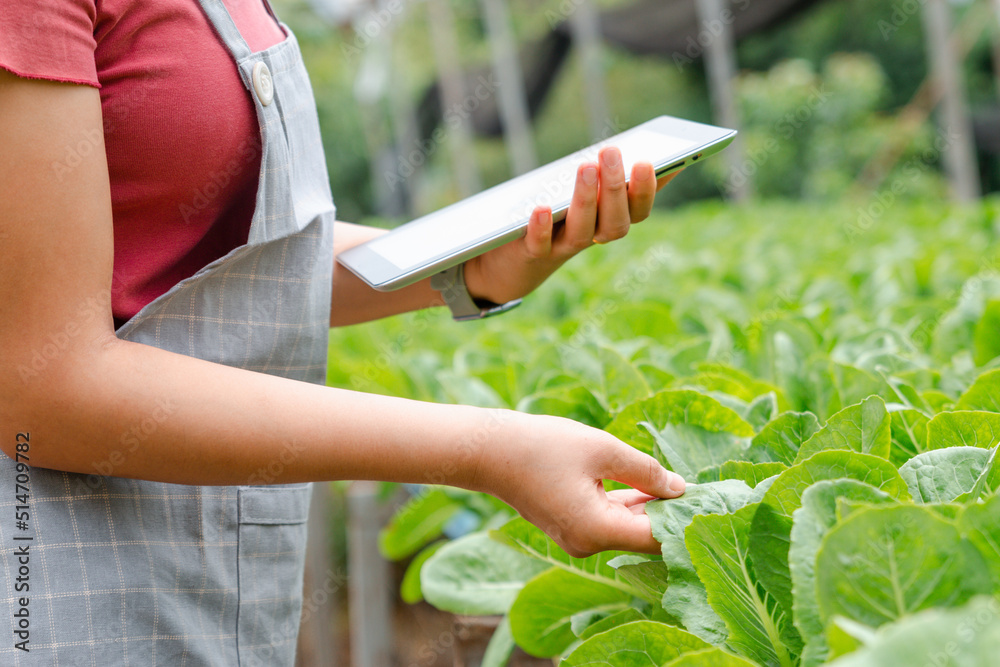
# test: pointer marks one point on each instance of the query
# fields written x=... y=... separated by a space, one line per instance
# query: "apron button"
x=262 y=83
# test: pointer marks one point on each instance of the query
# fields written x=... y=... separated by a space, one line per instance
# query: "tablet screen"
x=509 y=205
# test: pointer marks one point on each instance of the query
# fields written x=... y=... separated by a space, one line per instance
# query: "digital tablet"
x=496 y=216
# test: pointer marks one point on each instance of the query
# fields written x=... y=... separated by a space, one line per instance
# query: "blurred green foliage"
x=780 y=68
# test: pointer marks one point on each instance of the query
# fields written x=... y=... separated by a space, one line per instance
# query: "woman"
x=169 y=239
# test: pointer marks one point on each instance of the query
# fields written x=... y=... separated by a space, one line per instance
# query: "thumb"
x=641 y=471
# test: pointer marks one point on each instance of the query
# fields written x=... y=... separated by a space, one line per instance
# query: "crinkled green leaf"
x=909 y=435
x=541 y=616
x=882 y=563
x=967 y=636
x=611 y=621
x=755 y=386
x=988 y=481
x=781 y=439
x=758 y=629
x=528 y=539
x=685 y=597
x=816 y=516
x=964 y=428
x=942 y=475
x=636 y=644
x=938 y=400
x=771 y=534
x=710 y=657
x=476 y=575
x=863 y=428
x=981 y=523
x=984 y=394
x=647 y=574
x=676 y=406
x=573 y=402
x=687 y=449
x=612 y=378
x=717 y=383
x=750 y=473
x=762 y=410
x=669 y=518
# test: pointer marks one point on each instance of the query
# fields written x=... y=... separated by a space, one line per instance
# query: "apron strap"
x=223 y=23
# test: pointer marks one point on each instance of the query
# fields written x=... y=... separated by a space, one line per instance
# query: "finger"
x=641 y=192
x=632 y=500
x=613 y=219
x=629 y=497
x=666 y=179
x=581 y=219
x=626 y=531
x=628 y=465
x=538 y=239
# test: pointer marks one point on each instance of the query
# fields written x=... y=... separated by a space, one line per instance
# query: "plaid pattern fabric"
x=128 y=572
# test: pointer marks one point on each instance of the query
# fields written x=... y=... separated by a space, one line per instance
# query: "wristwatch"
x=451 y=284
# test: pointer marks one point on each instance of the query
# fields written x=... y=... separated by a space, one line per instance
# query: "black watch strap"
x=451 y=284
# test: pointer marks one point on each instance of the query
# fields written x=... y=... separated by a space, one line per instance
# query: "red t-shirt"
x=180 y=129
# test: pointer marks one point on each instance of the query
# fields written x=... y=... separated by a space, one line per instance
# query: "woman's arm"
x=95 y=404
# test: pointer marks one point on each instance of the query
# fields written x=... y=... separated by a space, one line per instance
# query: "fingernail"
x=612 y=157
x=642 y=173
x=590 y=175
x=677 y=484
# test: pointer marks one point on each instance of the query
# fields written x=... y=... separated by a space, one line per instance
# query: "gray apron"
x=127 y=572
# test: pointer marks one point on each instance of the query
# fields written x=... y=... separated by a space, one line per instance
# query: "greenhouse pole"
x=369 y=589
x=716 y=21
x=317 y=646
x=513 y=101
x=404 y=120
x=954 y=126
x=585 y=24
x=444 y=46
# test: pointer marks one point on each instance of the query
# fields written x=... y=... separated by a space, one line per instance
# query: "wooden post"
x=453 y=96
x=720 y=65
x=585 y=25
x=370 y=92
x=404 y=122
x=369 y=582
x=959 y=153
x=513 y=101
x=323 y=581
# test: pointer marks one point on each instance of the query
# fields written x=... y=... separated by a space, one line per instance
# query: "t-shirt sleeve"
x=49 y=39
